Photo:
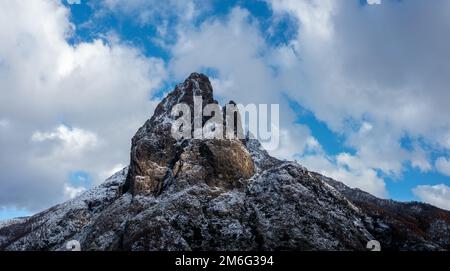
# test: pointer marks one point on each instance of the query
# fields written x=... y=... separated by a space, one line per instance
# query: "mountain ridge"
x=223 y=194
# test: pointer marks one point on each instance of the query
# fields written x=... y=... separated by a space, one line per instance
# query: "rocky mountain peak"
x=222 y=194
x=196 y=84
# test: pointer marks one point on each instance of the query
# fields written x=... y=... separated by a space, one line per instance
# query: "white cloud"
x=315 y=15
x=71 y=191
x=357 y=65
x=101 y=88
x=420 y=159
x=443 y=165
x=438 y=195
x=348 y=169
x=294 y=141
x=73 y=140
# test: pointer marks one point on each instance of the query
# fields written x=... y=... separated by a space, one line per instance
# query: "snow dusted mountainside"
x=222 y=194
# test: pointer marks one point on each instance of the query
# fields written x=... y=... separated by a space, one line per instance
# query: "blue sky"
x=362 y=87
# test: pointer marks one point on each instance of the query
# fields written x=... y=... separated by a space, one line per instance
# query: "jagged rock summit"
x=157 y=159
x=222 y=194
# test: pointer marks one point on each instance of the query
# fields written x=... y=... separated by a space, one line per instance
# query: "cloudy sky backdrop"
x=363 y=87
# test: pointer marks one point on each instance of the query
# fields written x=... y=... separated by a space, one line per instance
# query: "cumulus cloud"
x=357 y=65
x=348 y=169
x=438 y=195
x=65 y=107
x=72 y=191
x=443 y=165
x=70 y=140
x=292 y=142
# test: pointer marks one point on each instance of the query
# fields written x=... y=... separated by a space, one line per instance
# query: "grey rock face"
x=227 y=194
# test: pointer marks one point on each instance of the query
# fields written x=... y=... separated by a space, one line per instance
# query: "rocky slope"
x=193 y=194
